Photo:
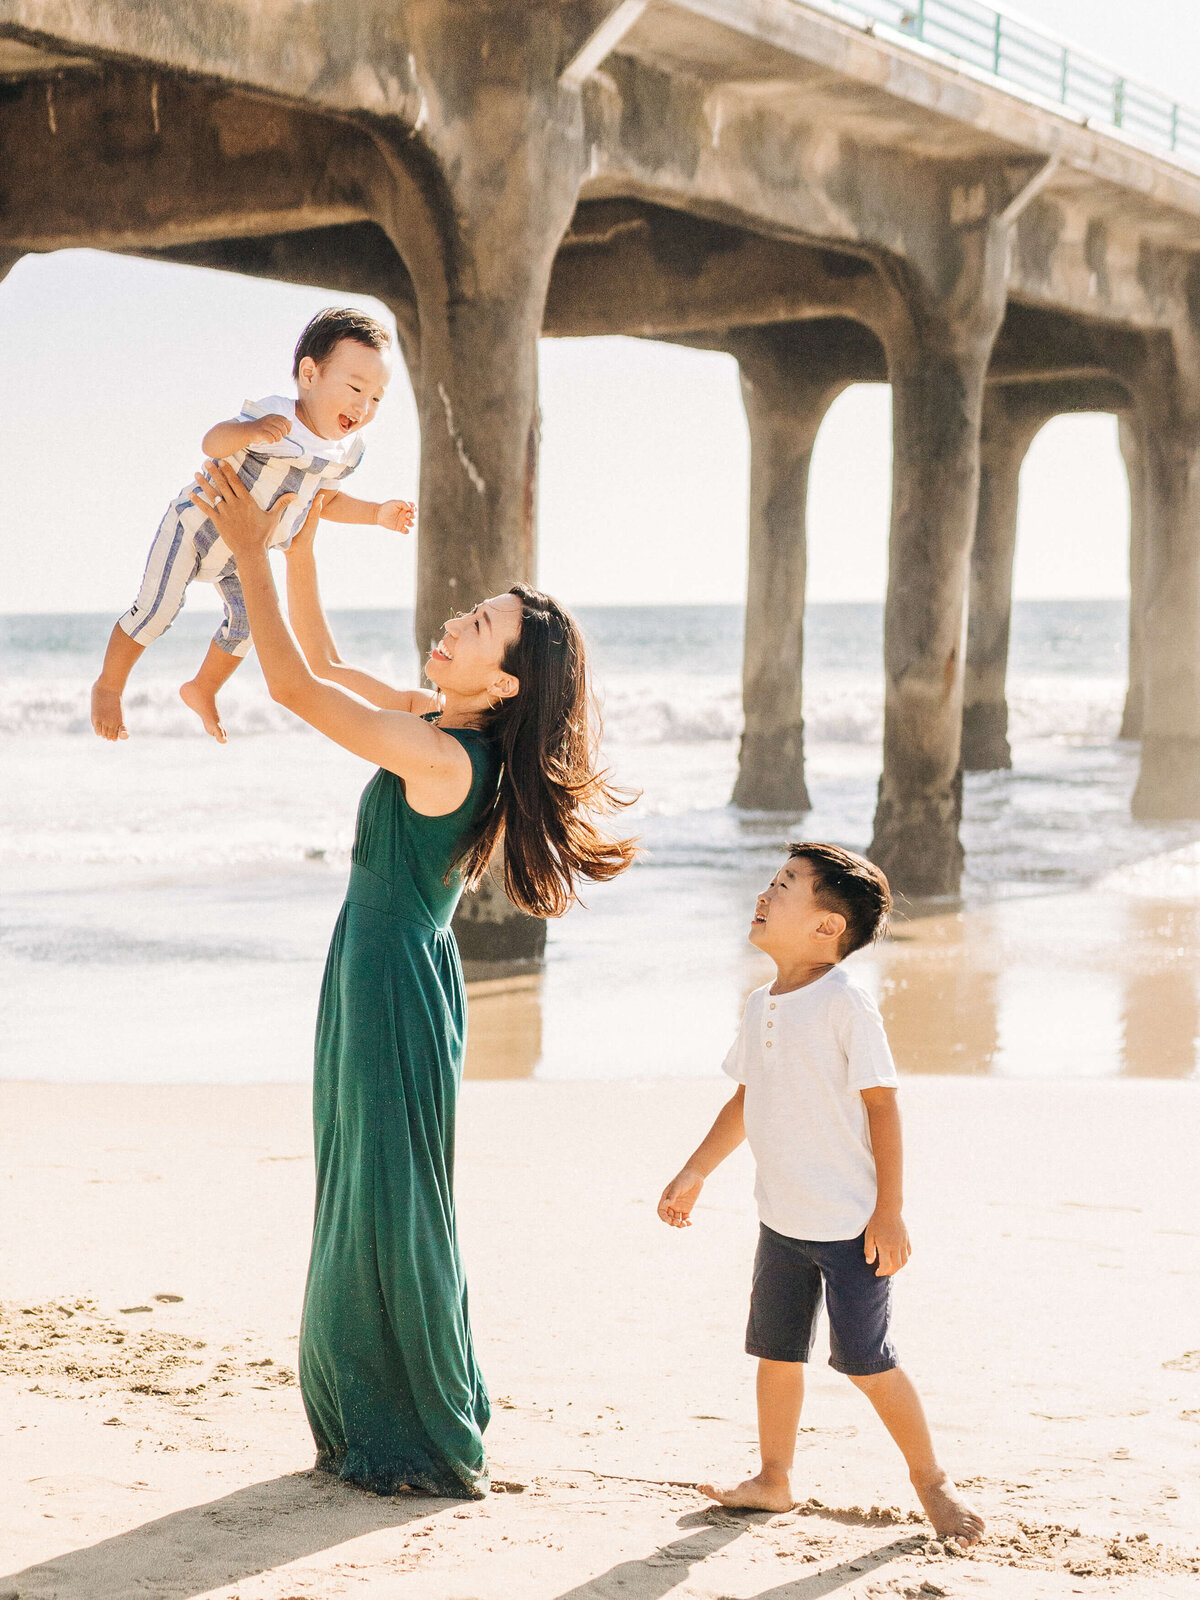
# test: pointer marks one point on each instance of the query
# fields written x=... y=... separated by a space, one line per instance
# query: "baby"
x=278 y=447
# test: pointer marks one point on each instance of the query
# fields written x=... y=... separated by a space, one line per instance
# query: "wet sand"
x=648 y=981
x=1048 y=1316
x=1097 y=984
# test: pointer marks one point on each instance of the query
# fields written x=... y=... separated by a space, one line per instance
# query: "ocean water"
x=166 y=902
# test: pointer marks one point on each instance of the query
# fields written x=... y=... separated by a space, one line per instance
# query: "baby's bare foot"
x=951 y=1515
x=204 y=703
x=108 y=719
x=760 y=1493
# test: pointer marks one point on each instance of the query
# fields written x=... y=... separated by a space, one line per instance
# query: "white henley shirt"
x=804 y=1057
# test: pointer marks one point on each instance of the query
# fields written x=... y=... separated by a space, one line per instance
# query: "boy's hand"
x=678 y=1198
x=887 y=1243
x=397 y=515
x=269 y=429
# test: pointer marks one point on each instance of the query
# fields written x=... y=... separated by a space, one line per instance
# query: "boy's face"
x=342 y=395
x=788 y=923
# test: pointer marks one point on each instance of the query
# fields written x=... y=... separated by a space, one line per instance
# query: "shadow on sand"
x=205 y=1547
x=670 y=1563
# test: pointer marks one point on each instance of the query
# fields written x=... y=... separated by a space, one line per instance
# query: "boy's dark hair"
x=329 y=327
x=851 y=885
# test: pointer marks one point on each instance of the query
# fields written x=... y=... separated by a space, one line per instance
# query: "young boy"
x=816 y=1099
x=278 y=447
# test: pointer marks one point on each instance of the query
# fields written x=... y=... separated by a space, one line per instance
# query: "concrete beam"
x=629 y=268
x=799 y=168
x=121 y=160
x=347 y=58
x=355 y=258
x=773 y=49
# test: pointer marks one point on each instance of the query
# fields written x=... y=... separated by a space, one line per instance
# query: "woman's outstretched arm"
x=435 y=767
x=311 y=626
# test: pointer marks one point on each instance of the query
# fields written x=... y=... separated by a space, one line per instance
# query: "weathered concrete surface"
x=508 y=145
x=1133 y=454
x=938 y=363
x=790 y=378
x=1168 y=785
x=121 y=158
x=686 y=169
x=1013 y=414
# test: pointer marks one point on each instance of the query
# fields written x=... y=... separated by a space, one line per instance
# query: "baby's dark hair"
x=329 y=327
x=851 y=885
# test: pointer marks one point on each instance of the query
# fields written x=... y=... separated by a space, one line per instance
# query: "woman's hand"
x=305 y=536
x=245 y=527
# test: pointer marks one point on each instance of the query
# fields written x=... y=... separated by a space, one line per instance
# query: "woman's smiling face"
x=468 y=659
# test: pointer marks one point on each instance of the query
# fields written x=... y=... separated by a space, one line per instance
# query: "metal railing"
x=1034 y=63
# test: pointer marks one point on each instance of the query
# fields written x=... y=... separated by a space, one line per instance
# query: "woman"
x=501 y=753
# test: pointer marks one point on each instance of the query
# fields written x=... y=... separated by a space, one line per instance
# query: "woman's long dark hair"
x=551 y=788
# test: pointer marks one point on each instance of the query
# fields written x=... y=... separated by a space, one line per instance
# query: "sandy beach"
x=161 y=954
x=153 y=1260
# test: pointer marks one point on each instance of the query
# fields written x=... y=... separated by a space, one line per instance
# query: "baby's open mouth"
x=345 y=423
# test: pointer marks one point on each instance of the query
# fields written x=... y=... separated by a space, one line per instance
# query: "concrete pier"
x=1133 y=454
x=1013 y=415
x=790 y=378
x=938 y=360
x=1168 y=787
x=735 y=173
x=1004 y=441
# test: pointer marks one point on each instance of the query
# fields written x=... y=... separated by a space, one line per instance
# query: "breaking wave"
x=646 y=712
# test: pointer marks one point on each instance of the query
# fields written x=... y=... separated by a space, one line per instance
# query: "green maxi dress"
x=387 y=1369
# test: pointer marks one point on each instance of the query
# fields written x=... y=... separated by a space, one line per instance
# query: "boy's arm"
x=886 y=1240
x=394 y=514
x=311 y=627
x=721 y=1140
x=227 y=438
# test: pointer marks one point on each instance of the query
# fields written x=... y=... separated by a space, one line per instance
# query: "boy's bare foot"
x=204 y=704
x=108 y=719
x=951 y=1515
x=760 y=1493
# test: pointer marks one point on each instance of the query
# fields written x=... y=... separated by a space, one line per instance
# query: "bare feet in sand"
x=204 y=704
x=951 y=1515
x=108 y=719
x=760 y=1493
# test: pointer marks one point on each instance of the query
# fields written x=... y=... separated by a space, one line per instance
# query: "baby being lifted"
x=278 y=447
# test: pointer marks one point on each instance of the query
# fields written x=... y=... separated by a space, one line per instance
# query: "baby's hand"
x=397 y=515
x=678 y=1198
x=269 y=429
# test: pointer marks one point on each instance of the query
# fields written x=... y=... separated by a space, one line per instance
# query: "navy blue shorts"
x=785 y=1303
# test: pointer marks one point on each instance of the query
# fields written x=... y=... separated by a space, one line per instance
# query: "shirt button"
x=768 y=1044
x=772 y=1005
x=770 y=1024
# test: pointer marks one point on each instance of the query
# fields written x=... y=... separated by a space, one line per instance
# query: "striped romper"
x=188 y=548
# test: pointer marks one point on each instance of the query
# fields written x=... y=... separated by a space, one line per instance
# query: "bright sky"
x=114 y=369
